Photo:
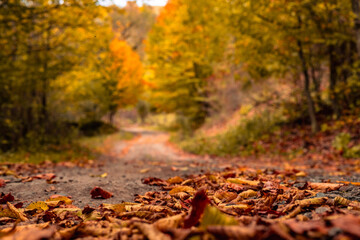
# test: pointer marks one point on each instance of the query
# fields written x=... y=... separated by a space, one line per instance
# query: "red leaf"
x=87 y=210
x=98 y=192
x=6 y=198
x=198 y=205
x=19 y=205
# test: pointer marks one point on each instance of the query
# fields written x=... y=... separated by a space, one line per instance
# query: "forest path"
x=148 y=154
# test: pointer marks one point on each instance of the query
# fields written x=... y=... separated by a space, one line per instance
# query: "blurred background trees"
x=63 y=63
x=312 y=44
x=67 y=63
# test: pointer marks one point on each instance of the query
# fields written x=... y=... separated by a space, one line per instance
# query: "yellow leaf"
x=213 y=216
x=38 y=205
x=53 y=202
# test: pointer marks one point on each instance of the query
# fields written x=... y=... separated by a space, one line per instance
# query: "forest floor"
x=149 y=158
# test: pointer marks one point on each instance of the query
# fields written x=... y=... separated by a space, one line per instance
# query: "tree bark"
x=310 y=102
x=356 y=10
x=333 y=80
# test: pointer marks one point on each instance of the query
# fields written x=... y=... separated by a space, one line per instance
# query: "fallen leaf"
x=4 y=198
x=175 y=180
x=232 y=232
x=178 y=189
x=213 y=216
x=38 y=205
x=198 y=205
x=98 y=192
x=145 y=170
x=46 y=176
x=170 y=222
x=2 y=182
x=243 y=181
x=17 y=212
x=325 y=186
x=154 y=181
x=151 y=232
x=57 y=200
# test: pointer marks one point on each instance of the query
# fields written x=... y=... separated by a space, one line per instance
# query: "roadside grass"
x=82 y=149
x=235 y=141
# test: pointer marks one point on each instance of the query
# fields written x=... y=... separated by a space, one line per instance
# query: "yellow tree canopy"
x=127 y=68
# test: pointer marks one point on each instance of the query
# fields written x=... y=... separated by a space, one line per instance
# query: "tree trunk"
x=333 y=80
x=356 y=10
x=310 y=102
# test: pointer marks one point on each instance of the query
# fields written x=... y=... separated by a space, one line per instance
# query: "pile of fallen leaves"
x=239 y=203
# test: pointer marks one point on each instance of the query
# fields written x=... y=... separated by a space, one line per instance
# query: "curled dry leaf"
x=225 y=196
x=98 y=192
x=178 y=189
x=154 y=181
x=311 y=201
x=325 y=186
x=175 y=180
x=246 y=194
x=243 y=181
x=170 y=222
x=151 y=232
x=17 y=212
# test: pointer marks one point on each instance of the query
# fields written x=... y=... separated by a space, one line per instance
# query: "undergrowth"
x=237 y=140
x=81 y=148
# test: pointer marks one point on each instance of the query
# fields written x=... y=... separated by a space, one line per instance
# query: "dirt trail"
x=126 y=163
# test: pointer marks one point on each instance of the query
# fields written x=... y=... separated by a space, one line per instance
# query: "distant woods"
x=314 y=45
x=65 y=63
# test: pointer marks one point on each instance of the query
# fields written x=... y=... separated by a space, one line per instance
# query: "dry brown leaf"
x=243 y=181
x=98 y=192
x=178 y=189
x=170 y=222
x=175 y=180
x=325 y=186
x=232 y=232
x=225 y=196
x=311 y=201
x=151 y=232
